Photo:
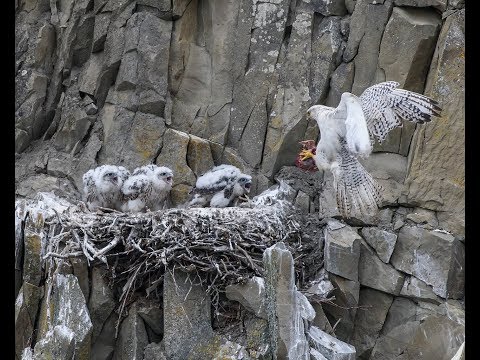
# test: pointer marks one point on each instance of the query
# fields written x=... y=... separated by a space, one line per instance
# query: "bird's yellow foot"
x=305 y=154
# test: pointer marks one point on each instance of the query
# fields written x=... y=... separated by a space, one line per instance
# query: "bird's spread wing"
x=355 y=187
x=384 y=106
x=356 y=130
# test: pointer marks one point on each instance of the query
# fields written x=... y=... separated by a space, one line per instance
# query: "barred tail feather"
x=356 y=190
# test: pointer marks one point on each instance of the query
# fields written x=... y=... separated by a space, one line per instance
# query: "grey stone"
x=174 y=156
x=382 y=241
x=342 y=251
x=162 y=5
x=76 y=124
x=67 y=308
x=438 y=4
x=179 y=7
x=460 y=354
x=286 y=120
x=374 y=273
x=91 y=71
x=153 y=50
x=436 y=337
x=394 y=343
x=154 y=351
x=58 y=343
x=45 y=47
x=321 y=285
x=20 y=213
x=416 y=42
x=309 y=183
x=101 y=302
x=127 y=73
x=302 y=202
x=366 y=29
x=187 y=317
x=102 y=22
x=434 y=257
x=150 y=102
x=203 y=74
x=418 y=290
x=91 y=109
x=327 y=47
x=330 y=347
x=104 y=346
x=199 y=155
x=218 y=348
x=26 y=306
x=344 y=308
x=307 y=312
x=341 y=81
x=398 y=330
x=232 y=157
x=401 y=311
x=257 y=337
x=329 y=7
x=132 y=338
x=33 y=245
x=116 y=7
x=22 y=140
x=423 y=218
x=80 y=270
x=251 y=295
x=130 y=139
x=316 y=355
x=29 y=115
x=350 y=5
x=151 y=312
x=321 y=321
x=436 y=174
x=455 y=311
x=112 y=56
x=372 y=311
x=83 y=40
x=456 y=4
x=286 y=328
x=389 y=171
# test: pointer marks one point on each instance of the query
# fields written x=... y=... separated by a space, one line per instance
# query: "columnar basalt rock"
x=193 y=84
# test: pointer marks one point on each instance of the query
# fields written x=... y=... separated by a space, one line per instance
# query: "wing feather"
x=356 y=129
x=385 y=106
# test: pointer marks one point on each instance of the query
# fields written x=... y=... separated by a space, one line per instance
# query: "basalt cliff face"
x=193 y=84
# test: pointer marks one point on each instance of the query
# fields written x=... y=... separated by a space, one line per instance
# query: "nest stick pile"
x=218 y=246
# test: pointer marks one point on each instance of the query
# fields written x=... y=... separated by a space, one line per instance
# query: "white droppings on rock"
x=307 y=311
x=27 y=354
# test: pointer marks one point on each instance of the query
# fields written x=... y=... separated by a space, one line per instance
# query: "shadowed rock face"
x=190 y=84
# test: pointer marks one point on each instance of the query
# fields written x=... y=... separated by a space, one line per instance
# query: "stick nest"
x=218 y=246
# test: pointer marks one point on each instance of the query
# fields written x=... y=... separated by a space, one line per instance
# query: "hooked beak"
x=169 y=179
x=247 y=186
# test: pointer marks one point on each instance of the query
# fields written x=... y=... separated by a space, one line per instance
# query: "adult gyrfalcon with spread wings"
x=348 y=132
